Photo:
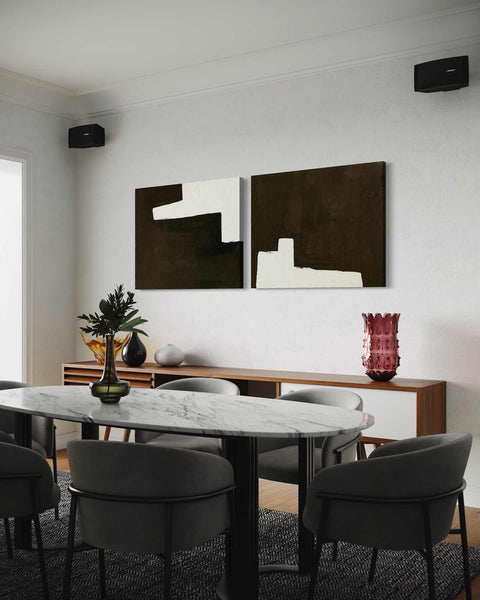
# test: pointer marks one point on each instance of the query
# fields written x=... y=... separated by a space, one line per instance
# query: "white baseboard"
x=63 y=438
x=472 y=496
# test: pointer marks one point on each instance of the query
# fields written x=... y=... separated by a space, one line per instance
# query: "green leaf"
x=103 y=306
x=130 y=315
x=129 y=327
x=132 y=323
x=139 y=331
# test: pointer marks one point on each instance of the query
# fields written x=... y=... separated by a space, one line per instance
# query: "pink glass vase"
x=380 y=346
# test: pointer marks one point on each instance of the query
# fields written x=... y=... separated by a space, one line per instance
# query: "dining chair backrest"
x=6 y=438
x=15 y=498
x=126 y=478
x=418 y=468
x=436 y=463
x=326 y=397
x=7 y=417
x=210 y=385
x=42 y=427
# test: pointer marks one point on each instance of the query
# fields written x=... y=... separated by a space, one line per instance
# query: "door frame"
x=26 y=158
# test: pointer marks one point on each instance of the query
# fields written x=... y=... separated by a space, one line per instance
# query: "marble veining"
x=188 y=412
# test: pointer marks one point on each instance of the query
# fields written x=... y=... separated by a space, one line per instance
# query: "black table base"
x=242 y=553
x=242 y=567
x=306 y=541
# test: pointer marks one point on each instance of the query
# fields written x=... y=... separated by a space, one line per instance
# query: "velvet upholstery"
x=43 y=432
x=146 y=471
x=15 y=500
x=278 y=458
x=190 y=442
x=6 y=438
x=414 y=468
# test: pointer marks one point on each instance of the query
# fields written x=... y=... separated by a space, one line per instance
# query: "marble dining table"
x=238 y=420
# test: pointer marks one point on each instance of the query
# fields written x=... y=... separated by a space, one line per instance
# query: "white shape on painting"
x=207 y=197
x=277 y=270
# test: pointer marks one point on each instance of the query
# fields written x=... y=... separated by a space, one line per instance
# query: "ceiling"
x=83 y=45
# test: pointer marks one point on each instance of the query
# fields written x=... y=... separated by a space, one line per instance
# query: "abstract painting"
x=319 y=228
x=188 y=236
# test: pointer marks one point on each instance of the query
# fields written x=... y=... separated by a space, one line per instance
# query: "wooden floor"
x=283 y=496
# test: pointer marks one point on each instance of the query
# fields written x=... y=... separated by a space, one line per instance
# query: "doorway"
x=12 y=362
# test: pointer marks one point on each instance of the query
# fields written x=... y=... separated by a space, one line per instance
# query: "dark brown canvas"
x=335 y=217
x=182 y=253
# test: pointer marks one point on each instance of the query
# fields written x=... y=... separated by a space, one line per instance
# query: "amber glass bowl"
x=97 y=346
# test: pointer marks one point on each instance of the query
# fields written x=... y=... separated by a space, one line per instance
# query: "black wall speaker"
x=442 y=75
x=86 y=136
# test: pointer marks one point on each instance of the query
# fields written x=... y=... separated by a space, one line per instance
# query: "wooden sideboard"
x=402 y=407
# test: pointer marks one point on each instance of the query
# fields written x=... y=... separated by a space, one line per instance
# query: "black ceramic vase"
x=110 y=388
x=134 y=352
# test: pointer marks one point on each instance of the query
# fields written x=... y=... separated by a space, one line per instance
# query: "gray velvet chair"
x=26 y=490
x=402 y=497
x=161 y=501
x=43 y=431
x=278 y=458
x=210 y=385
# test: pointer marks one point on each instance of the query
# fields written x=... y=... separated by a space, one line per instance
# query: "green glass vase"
x=110 y=388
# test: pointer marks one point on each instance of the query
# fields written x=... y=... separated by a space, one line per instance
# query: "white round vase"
x=169 y=356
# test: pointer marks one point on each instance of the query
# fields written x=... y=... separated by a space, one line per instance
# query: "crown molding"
x=417 y=37
x=407 y=37
x=36 y=94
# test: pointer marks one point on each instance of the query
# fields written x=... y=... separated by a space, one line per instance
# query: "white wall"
x=431 y=143
x=52 y=237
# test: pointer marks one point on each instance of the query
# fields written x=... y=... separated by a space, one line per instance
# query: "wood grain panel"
x=432 y=409
x=339 y=380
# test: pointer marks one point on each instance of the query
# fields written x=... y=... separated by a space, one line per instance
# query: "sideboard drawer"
x=395 y=412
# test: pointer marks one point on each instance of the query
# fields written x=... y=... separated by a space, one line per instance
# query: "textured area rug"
x=400 y=575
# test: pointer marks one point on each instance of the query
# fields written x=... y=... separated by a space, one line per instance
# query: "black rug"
x=400 y=575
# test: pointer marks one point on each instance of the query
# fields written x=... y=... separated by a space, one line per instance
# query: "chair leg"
x=167 y=566
x=106 y=435
x=38 y=535
x=335 y=551
x=466 y=564
x=429 y=552
x=167 y=578
x=314 y=573
x=373 y=565
x=361 y=451
x=69 y=556
x=55 y=469
x=8 y=538
x=318 y=549
x=101 y=570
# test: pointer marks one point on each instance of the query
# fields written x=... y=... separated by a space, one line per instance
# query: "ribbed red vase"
x=380 y=345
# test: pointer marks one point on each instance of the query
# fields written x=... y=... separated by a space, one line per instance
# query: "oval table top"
x=188 y=412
